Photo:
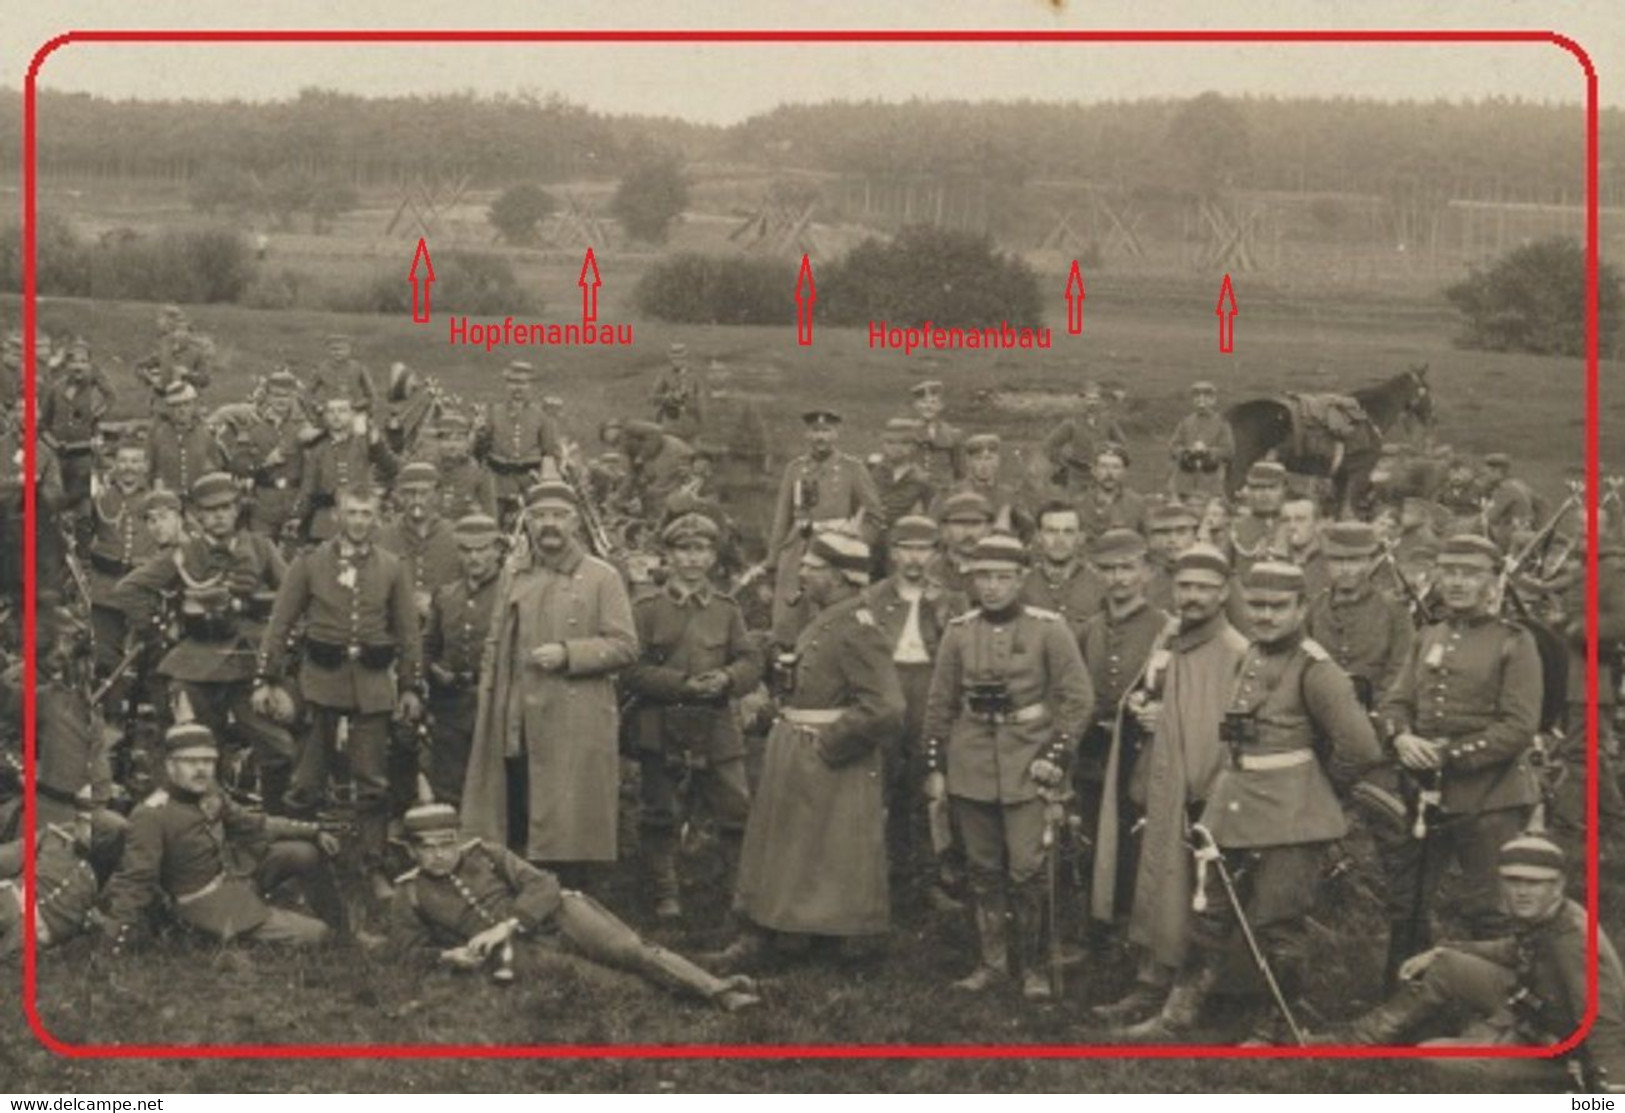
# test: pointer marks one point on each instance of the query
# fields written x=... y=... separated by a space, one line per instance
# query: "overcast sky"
x=726 y=83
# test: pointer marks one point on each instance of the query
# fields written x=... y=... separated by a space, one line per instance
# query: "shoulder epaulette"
x=158 y=799
x=1041 y=613
x=968 y=616
x=864 y=616
x=61 y=832
x=1314 y=650
x=407 y=876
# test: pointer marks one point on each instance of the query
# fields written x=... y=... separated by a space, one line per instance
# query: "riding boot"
x=747 y=951
x=671 y=969
x=1151 y=984
x=660 y=860
x=1405 y=938
x=992 y=933
x=1183 y=1007
x=1028 y=916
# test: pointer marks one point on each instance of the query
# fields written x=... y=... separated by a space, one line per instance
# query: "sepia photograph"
x=948 y=549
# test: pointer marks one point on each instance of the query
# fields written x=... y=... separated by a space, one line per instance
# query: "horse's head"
x=1419 y=402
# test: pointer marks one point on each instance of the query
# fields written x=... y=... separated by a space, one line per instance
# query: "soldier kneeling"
x=471 y=901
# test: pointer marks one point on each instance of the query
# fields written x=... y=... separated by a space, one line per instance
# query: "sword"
x=1209 y=854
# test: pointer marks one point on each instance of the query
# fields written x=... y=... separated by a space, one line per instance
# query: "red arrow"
x=806 y=294
x=420 y=306
x=1074 y=300
x=1227 y=318
x=589 y=289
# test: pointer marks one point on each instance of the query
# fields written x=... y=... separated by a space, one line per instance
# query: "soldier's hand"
x=328 y=843
x=550 y=657
x=1045 y=773
x=442 y=675
x=1417 y=965
x=490 y=939
x=460 y=958
x=936 y=787
x=1149 y=713
x=408 y=708
x=1416 y=752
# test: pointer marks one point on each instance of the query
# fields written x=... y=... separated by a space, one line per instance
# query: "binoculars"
x=1238 y=728
x=782 y=672
x=989 y=698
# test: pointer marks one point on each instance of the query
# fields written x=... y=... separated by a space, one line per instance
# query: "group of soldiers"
x=331 y=603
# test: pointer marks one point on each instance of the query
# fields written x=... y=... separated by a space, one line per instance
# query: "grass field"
x=1151 y=341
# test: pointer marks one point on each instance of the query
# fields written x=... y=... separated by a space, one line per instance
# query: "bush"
x=220 y=186
x=1533 y=300
x=649 y=198
x=64 y=262
x=696 y=289
x=278 y=289
x=212 y=265
x=517 y=212
x=465 y=282
x=929 y=274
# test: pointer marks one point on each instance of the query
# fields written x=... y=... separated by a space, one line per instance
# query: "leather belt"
x=513 y=467
x=1287 y=760
x=811 y=717
x=1029 y=714
x=219 y=880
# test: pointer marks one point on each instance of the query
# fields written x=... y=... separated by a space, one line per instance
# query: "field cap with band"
x=842 y=551
x=688 y=527
x=1273 y=577
x=189 y=738
x=476 y=530
x=215 y=489
x=913 y=529
x=966 y=506
x=431 y=822
x=1469 y=550
x=1202 y=562
x=419 y=473
x=998 y=552
x=1266 y=473
x=1348 y=539
x=1117 y=545
x=1531 y=858
x=821 y=419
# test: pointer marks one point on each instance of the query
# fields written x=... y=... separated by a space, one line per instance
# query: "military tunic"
x=679 y=402
x=118 y=540
x=513 y=441
x=1073 y=591
x=466 y=488
x=332 y=467
x=1072 y=446
x=814 y=490
x=430 y=559
x=180 y=457
x=66 y=881
x=212 y=857
x=1201 y=447
x=905 y=490
x=814 y=856
x=942 y=452
x=1123 y=509
x=347 y=378
x=271 y=454
x=70 y=414
x=682 y=635
x=453 y=643
x=1368 y=634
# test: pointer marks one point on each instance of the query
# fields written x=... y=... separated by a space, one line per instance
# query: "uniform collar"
x=347 y=551
x=682 y=595
x=1120 y=617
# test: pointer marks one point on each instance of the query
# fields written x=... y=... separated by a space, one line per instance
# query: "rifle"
x=1413 y=601
x=1514 y=562
x=598 y=538
x=1208 y=853
x=1546 y=1022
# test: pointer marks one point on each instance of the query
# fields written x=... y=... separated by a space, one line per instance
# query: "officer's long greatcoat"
x=565 y=723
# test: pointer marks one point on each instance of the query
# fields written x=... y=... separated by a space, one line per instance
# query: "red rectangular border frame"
x=785 y=1051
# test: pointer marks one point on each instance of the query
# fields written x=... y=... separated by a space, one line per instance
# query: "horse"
x=1266 y=428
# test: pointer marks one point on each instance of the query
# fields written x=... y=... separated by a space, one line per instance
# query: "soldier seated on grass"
x=468 y=902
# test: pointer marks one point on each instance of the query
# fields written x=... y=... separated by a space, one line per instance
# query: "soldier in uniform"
x=341 y=375
x=1367 y=632
x=361 y=661
x=272 y=448
x=420 y=536
x=227 y=578
x=182 y=447
x=466 y=487
x=1008 y=694
x=1528 y=988
x=162 y=513
x=1460 y=720
x=182 y=356
x=679 y=396
x=1060 y=580
x=71 y=861
x=1511 y=503
x=1116 y=642
x=350 y=458
x=1109 y=504
x=70 y=416
x=1272 y=812
x=941 y=447
x=1300 y=529
x=902 y=481
x=1072 y=447
x=517 y=436
x=1460 y=494
x=984 y=466
x=695 y=661
x=966 y=518
x=212 y=859
x=1170 y=529
x=814 y=856
x=453 y=643
x=47 y=479
x=1258 y=534
x=118 y=540
x=822 y=488
x=659 y=467
x=467 y=902
x=1201 y=448
x=913 y=610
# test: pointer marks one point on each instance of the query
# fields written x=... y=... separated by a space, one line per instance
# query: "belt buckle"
x=353 y=651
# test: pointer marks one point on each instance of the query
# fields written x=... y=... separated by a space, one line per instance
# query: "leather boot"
x=730 y=994
x=1405 y=938
x=660 y=860
x=1028 y=909
x=1151 y=984
x=1385 y=1025
x=1183 y=1007
x=992 y=933
x=747 y=951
